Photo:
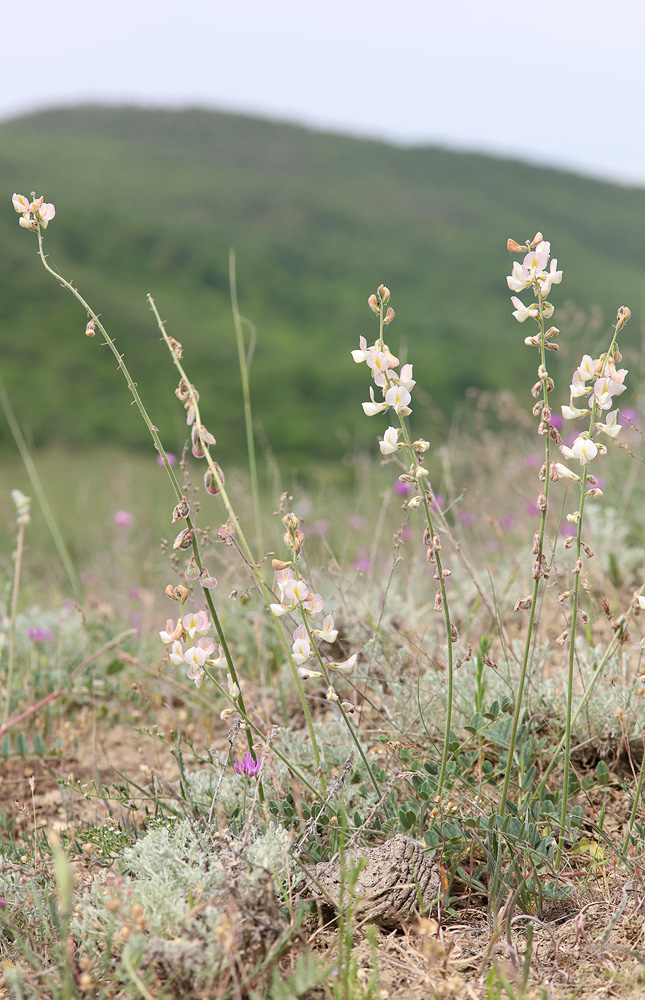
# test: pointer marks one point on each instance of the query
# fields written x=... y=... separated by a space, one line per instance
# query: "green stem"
x=253 y=565
x=14 y=612
x=536 y=582
x=155 y=437
x=244 y=361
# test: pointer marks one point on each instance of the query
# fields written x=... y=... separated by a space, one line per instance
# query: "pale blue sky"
x=558 y=82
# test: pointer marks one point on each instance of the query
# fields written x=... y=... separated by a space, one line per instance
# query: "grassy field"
x=265 y=738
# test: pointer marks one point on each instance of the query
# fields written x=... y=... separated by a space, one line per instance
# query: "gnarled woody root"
x=397 y=884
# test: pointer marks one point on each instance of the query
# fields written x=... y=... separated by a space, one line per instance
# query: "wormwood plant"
x=487 y=802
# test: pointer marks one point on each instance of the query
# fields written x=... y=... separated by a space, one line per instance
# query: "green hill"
x=151 y=201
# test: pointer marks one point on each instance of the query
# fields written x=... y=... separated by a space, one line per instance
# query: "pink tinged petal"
x=277 y=610
x=46 y=213
x=314 y=604
x=207 y=645
x=195 y=656
x=192 y=570
x=28 y=223
x=299 y=633
x=20 y=203
x=207 y=580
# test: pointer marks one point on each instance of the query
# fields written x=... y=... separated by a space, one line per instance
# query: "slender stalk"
x=427 y=500
x=244 y=359
x=239 y=532
x=37 y=487
x=537 y=575
x=155 y=437
x=637 y=798
x=14 y=611
x=574 y=617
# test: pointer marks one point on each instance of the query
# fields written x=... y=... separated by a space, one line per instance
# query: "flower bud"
x=389 y=316
x=89 y=329
x=438 y=601
x=291 y=521
x=523 y=604
x=514 y=247
x=623 y=315
x=562 y=638
x=538 y=238
x=373 y=303
x=206 y=580
x=384 y=294
x=176 y=348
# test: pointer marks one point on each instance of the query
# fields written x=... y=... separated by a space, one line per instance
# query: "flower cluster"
x=532 y=273
x=295 y=596
x=600 y=381
x=22 y=504
x=189 y=646
x=247 y=766
x=33 y=213
x=396 y=387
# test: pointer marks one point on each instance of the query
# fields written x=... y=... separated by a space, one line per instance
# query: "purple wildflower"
x=172 y=459
x=39 y=635
x=248 y=767
x=122 y=518
x=401 y=489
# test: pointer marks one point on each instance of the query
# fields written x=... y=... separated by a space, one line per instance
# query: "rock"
x=397 y=883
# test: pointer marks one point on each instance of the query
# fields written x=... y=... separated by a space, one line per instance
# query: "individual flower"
x=327 y=633
x=522 y=312
x=196 y=623
x=38 y=635
x=611 y=428
x=301 y=646
x=398 y=397
x=390 y=443
x=122 y=518
x=248 y=766
x=344 y=667
x=372 y=408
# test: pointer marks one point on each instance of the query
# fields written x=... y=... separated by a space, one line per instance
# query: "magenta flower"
x=248 y=767
x=172 y=459
x=401 y=489
x=122 y=518
x=39 y=635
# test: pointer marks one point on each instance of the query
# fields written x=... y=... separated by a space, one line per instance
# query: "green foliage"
x=152 y=201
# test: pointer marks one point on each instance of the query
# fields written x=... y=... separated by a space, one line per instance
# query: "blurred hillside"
x=151 y=201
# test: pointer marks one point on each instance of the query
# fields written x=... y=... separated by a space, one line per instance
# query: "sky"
x=559 y=83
